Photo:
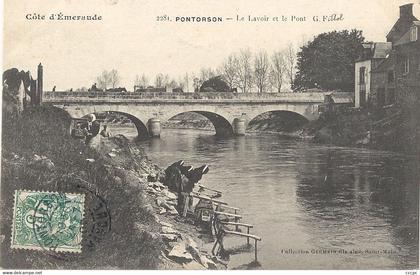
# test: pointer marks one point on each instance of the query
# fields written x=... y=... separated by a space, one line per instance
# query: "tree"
x=206 y=74
x=277 y=70
x=229 y=70
x=261 y=71
x=215 y=84
x=104 y=80
x=244 y=71
x=114 y=78
x=166 y=80
x=328 y=61
x=181 y=83
x=196 y=84
x=173 y=84
x=159 y=79
x=141 y=81
x=107 y=79
x=82 y=89
x=186 y=82
x=290 y=64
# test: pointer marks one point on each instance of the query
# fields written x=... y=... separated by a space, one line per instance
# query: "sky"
x=131 y=40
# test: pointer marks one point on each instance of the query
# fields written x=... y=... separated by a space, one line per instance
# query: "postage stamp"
x=49 y=221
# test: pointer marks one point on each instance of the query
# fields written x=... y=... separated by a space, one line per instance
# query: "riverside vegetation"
x=144 y=230
x=396 y=128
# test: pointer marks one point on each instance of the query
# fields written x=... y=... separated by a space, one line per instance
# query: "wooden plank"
x=214 y=190
x=230 y=207
x=256 y=249
x=243 y=235
x=237 y=223
x=227 y=214
x=207 y=198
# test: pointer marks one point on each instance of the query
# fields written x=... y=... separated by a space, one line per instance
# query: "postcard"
x=210 y=135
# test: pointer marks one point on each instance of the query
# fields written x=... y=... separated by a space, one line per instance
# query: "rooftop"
x=376 y=50
x=405 y=39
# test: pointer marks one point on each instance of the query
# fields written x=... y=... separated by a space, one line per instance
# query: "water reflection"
x=302 y=196
x=356 y=200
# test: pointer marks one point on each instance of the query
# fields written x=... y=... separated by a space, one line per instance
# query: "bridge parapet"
x=189 y=97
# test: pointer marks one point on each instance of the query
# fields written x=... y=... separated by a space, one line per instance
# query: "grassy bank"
x=129 y=222
x=393 y=129
x=39 y=154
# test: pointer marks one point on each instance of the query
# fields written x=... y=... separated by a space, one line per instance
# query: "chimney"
x=406 y=11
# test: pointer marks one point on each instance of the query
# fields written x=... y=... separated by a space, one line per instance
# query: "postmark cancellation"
x=48 y=221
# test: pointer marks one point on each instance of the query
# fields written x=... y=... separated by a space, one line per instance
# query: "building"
x=367 y=80
x=388 y=71
x=406 y=57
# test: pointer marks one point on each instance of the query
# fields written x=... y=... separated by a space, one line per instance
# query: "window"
x=406 y=65
x=362 y=79
x=413 y=34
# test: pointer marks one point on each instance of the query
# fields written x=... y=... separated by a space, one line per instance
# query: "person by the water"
x=105 y=132
x=92 y=128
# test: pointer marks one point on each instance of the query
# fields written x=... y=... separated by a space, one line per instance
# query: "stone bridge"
x=230 y=113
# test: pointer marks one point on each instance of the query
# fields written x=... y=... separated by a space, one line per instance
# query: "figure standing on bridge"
x=93 y=88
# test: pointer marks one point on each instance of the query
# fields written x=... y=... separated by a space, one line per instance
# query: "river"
x=315 y=206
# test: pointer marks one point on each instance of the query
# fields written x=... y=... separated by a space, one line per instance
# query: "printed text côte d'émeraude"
x=63 y=17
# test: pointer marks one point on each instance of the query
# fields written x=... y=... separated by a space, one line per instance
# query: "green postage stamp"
x=47 y=221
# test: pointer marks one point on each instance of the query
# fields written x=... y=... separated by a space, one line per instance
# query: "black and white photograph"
x=210 y=135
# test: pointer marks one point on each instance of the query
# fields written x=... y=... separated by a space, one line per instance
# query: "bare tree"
x=141 y=81
x=186 y=82
x=137 y=81
x=290 y=57
x=166 y=80
x=206 y=74
x=197 y=82
x=82 y=89
x=114 y=77
x=262 y=71
x=245 y=70
x=277 y=70
x=159 y=80
x=104 y=80
x=181 y=83
x=173 y=84
x=229 y=70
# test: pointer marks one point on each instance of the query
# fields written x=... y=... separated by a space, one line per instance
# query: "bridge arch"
x=308 y=111
x=81 y=111
x=284 y=119
x=142 y=131
x=222 y=126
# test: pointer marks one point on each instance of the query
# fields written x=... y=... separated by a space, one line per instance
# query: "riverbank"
x=140 y=231
x=392 y=129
